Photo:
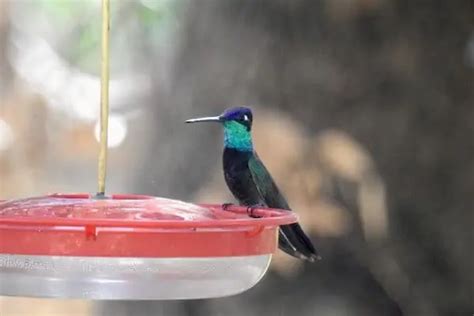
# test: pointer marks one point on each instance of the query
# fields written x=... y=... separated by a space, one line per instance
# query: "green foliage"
x=133 y=24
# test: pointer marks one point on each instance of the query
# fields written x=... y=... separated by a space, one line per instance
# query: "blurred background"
x=364 y=114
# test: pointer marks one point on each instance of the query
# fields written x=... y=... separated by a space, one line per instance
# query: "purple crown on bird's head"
x=239 y=113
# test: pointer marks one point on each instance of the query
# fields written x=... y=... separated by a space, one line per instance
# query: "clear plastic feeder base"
x=102 y=278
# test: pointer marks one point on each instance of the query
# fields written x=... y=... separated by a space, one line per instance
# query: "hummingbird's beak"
x=205 y=119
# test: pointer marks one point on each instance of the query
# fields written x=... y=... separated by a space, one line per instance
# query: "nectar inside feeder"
x=132 y=247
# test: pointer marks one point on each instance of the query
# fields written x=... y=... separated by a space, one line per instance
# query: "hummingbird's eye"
x=246 y=118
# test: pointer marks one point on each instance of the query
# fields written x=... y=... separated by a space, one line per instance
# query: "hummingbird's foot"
x=251 y=209
x=225 y=206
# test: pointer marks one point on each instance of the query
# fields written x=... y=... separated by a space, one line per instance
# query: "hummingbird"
x=250 y=182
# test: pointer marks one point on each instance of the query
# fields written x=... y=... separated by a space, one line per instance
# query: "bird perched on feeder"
x=251 y=183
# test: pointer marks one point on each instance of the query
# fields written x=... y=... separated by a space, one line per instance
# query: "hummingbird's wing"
x=292 y=239
x=265 y=184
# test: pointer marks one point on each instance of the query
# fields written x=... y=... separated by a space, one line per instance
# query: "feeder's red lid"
x=134 y=226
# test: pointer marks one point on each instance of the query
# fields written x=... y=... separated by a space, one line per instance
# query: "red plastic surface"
x=134 y=226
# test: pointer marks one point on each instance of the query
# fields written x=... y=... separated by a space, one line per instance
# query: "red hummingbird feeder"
x=131 y=247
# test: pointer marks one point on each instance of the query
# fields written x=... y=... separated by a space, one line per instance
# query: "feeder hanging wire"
x=104 y=98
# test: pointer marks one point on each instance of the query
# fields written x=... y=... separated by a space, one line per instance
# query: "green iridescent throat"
x=237 y=136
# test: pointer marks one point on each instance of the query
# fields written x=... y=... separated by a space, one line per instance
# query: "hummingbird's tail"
x=294 y=242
